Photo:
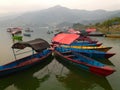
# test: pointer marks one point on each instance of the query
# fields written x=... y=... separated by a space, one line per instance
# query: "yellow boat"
x=100 y=48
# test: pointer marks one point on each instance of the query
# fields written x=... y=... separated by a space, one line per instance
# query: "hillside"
x=110 y=26
x=58 y=14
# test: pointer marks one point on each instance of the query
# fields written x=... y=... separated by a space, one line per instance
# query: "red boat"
x=83 y=62
x=14 y=30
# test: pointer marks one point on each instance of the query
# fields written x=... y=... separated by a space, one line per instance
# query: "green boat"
x=16 y=37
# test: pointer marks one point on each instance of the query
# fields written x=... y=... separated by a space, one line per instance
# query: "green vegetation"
x=111 y=26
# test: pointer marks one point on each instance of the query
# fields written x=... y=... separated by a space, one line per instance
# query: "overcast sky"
x=11 y=6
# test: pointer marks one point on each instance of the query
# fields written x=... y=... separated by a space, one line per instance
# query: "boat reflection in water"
x=27 y=79
x=78 y=79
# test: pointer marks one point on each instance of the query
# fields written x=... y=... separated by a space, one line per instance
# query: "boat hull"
x=101 y=48
x=22 y=65
x=96 y=70
x=112 y=35
x=85 y=44
x=92 y=53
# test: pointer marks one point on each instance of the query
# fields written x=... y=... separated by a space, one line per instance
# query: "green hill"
x=111 y=26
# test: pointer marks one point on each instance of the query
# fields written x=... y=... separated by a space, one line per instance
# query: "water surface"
x=55 y=75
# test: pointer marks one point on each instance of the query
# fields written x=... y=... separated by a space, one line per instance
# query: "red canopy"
x=65 y=38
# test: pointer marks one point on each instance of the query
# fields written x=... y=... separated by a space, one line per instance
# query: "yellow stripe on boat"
x=100 y=48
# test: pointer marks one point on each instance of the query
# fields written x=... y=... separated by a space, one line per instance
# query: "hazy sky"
x=11 y=6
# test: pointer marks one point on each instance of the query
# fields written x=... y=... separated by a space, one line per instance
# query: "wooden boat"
x=64 y=38
x=100 y=48
x=67 y=39
x=27 y=34
x=40 y=46
x=92 y=53
x=96 y=33
x=86 y=38
x=14 y=30
x=28 y=30
x=113 y=35
x=85 y=44
x=30 y=74
x=83 y=62
x=100 y=35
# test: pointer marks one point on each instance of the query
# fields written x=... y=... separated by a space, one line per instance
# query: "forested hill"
x=58 y=14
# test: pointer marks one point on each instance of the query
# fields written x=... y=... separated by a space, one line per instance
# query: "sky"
x=17 y=6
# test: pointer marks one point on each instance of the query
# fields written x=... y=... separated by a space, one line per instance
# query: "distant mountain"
x=58 y=14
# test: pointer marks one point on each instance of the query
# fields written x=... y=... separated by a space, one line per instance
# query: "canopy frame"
x=37 y=45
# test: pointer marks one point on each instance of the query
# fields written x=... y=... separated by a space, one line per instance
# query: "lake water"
x=54 y=75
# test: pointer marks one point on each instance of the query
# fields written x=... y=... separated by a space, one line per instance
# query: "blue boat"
x=83 y=62
x=40 y=53
x=85 y=44
x=27 y=34
x=92 y=53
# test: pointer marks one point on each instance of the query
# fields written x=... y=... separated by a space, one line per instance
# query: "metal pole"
x=14 y=54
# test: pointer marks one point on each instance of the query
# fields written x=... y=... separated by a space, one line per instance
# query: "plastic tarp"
x=65 y=38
